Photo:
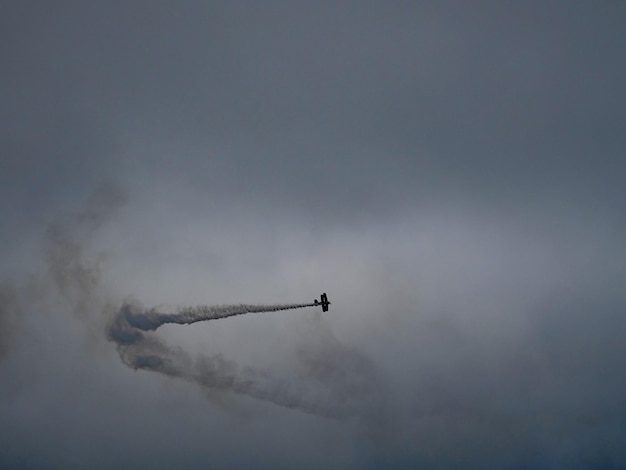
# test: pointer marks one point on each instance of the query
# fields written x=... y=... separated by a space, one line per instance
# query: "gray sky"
x=451 y=173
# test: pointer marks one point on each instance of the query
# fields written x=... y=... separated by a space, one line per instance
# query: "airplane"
x=323 y=302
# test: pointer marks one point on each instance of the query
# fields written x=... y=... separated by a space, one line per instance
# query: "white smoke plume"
x=152 y=319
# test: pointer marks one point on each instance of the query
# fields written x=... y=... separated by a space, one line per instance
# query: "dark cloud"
x=450 y=174
x=444 y=102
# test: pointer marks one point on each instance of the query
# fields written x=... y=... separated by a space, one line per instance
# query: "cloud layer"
x=450 y=174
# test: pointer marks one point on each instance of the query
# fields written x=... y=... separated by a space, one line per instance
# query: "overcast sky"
x=450 y=173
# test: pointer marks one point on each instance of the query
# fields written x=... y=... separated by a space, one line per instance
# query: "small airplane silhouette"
x=323 y=302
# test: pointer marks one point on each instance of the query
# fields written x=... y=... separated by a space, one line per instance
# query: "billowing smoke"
x=70 y=276
x=71 y=269
x=345 y=389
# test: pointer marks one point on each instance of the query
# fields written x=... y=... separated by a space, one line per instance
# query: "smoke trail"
x=325 y=394
x=332 y=380
x=152 y=319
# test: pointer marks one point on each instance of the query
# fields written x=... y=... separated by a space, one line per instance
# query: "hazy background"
x=450 y=173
